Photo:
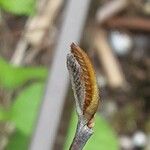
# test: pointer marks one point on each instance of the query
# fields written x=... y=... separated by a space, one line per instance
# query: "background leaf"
x=103 y=138
x=19 y=7
x=25 y=108
x=12 y=77
x=18 y=141
x=4 y=115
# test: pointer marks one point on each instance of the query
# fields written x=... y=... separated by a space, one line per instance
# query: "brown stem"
x=129 y=23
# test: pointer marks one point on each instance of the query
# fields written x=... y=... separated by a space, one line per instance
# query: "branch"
x=110 y=9
x=36 y=29
x=83 y=133
x=86 y=94
x=112 y=68
x=133 y=23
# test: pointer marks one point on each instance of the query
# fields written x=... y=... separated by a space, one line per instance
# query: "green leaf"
x=103 y=138
x=18 y=141
x=25 y=108
x=4 y=115
x=19 y=7
x=12 y=77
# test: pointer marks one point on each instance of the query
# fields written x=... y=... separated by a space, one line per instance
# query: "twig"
x=110 y=9
x=86 y=94
x=35 y=50
x=83 y=133
x=109 y=61
x=36 y=28
x=18 y=55
x=132 y=23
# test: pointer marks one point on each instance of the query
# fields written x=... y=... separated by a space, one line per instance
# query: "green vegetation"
x=18 y=7
x=24 y=108
x=12 y=77
x=18 y=141
x=23 y=114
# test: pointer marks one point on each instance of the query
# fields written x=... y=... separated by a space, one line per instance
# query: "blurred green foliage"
x=104 y=137
x=4 y=115
x=12 y=77
x=18 y=141
x=23 y=114
x=24 y=108
x=18 y=7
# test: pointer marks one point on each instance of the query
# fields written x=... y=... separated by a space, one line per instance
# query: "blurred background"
x=116 y=36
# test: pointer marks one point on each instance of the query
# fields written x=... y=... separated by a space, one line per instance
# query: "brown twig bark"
x=110 y=9
x=38 y=26
x=109 y=62
x=132 y=23
x=36 y=29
